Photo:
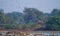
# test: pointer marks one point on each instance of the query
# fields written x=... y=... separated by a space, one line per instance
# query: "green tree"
x=24 y=27
x=54 y=20
x=2 y=17
x=32 y=14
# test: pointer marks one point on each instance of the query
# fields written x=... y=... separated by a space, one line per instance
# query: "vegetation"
x=31 y=18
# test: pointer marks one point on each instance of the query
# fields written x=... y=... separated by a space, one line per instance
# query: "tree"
x=32 y=15
x=9 y=26
x=24 y=27
x=14 y=18
x=2 y=16
x=54 y=20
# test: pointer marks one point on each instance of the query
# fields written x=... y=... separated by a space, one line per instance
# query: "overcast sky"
x=18 y=5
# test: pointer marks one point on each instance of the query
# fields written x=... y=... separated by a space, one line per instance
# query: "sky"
x=18 y=5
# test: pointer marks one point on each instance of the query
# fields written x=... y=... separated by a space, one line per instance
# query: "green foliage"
x=32 y=15
x=24 y=27
x=2 y=16
x=14 y=18
x=29 y=18
x=54 y=20
x=33 y=25
x=8 y=26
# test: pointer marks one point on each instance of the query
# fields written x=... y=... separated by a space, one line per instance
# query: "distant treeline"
x=30 y=19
